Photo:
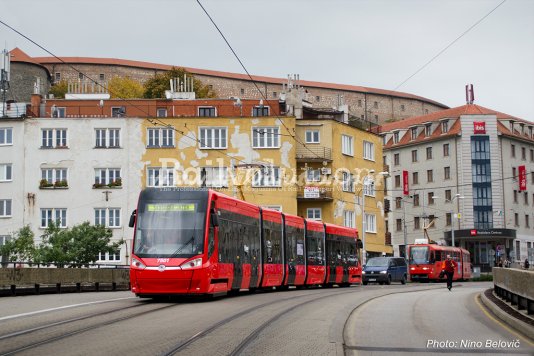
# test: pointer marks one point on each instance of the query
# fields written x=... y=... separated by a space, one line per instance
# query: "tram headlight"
x=137 y=264
x=363 y=272
x=197 y=262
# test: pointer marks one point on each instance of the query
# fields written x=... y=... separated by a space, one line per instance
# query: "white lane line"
x=63 y=307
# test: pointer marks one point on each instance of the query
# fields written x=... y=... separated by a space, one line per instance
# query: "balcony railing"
x=313 y=153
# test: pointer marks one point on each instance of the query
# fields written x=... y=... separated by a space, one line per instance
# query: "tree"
x=80 y=244
x=155 y=87
x=21 y=247
x=125 y=88
x=59 y=89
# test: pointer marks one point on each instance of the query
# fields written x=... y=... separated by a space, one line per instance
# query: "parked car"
x=385 y=270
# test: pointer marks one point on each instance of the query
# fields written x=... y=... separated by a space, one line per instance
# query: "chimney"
x=35 y=104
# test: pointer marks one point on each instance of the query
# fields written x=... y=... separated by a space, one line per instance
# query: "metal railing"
x=314 y=152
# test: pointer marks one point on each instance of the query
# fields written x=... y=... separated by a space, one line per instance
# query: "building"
x=75 y=160
x=365 y=105
x=466 y=174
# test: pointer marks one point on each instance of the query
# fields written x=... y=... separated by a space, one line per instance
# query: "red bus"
x=425 y=261
x=191 y=241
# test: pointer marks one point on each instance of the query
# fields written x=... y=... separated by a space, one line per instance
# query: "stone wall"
x=23 y=77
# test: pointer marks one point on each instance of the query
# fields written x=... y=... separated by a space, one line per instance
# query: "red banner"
x=479 y=127
x=405 y=186
x=522 y=178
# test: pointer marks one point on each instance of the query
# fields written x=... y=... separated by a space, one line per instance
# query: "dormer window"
x=428 y=130
x=396 y=137
x=414 y=133
x=445 y=126
x=522 y=129
x=512 y=126
x=530 y=131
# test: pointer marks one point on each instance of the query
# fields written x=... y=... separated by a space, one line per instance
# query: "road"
x=359 y=320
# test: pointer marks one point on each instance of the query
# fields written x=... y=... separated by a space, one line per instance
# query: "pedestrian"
x=527 y=265
x=449 y=265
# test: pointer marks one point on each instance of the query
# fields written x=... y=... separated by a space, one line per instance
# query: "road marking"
x=428 y=351
x=502 y=324
x=63 y=307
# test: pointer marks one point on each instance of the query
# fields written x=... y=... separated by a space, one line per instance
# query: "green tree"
x=59 y=89
x=21 y=247
x=125 y=88
x=155 y=87
x=77 y=245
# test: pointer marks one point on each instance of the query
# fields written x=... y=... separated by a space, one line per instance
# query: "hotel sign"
x=479 y=127
x=504 y=233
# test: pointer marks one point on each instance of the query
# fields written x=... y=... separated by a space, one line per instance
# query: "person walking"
x=527 y=265
x=449 y=265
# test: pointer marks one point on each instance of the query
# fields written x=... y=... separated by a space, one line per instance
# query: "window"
x=446 y=150
x=368 y=187
x=414 y=155
x=515 y=196
x=525 y=195
x=360 y=103
x=312 y=136
x=375 y=104
x=160 y=177
x=399 y=224
x=107 y=138
x=208 y=111
x=317 y=98
x=416 y=223
x=102 y=77
x=396 y=137
x=265 y=137
x=430 y=198
x=6 y=136
x=415 y=178
x=59 y=216
x=447 y=172
x=398 y=202
x=445 y=127
x=260 y=111
x=448 y=195
x=396 y=159
x=6 y=172
x=523 y=153
x=5 y=208
x=348 y=218
x=513 y=150
x=402 y=107
x=216 y=177
x=53 y=138
x=108 y=217
x=429 y=153
x=430 y=176
x=108 y=176
x=346 y=145
x=368 y=150
x=57 y=77
x=313 y=213
x=161 y=112
x=370 y=223
x=531 y=155
x=428 y=130
x=118 y=111
x=53 y=175
x=397 y=181
x=275 y=95
x=80 y=76
x=414 y=133
x=267 y=177
x=527 y=221
x=242 y=91
x=448 y=219
x=160 y=137
x=347 y=182
x=516 y=219
x=106 y=256
x=416 y=200
x=58 y=112
x=313 y=175
x=514 y=173
x=213 y=137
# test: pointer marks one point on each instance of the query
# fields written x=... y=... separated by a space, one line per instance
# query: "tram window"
x=211 y=241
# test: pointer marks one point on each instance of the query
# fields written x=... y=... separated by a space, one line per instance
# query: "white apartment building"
x=70 y=170
x=463 y=167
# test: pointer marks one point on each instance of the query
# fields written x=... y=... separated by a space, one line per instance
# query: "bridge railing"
x=515 y=286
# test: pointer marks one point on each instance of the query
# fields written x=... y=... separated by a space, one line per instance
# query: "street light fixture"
x=364 y=220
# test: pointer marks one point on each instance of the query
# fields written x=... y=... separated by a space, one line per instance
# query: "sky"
x=423 y=47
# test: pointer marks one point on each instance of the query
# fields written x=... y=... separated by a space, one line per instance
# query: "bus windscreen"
x=169 y=229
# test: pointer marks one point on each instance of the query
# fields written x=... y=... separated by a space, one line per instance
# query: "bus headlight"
x=197 y=262
x=137 y=264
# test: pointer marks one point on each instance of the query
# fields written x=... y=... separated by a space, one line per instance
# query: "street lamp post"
x=457 y=196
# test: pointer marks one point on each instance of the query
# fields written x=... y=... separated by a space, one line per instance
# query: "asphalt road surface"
x=396 y=319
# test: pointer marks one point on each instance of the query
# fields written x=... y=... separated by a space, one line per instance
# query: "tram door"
x=334 y=257
x=238 y=234
x=253 y=247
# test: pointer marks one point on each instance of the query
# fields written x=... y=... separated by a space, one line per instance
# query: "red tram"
x=425 y=261
x=198 y=241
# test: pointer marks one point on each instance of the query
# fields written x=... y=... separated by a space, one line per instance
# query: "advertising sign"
x=311 y=192
x=522 y=178
x=405 y=186
x=479 y=127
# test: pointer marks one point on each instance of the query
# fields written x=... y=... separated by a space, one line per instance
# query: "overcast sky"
x=370 y=43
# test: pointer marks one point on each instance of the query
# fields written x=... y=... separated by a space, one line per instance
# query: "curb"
x=518 y=325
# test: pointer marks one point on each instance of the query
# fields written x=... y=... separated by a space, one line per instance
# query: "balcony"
x=314 y=194
x=313 y=153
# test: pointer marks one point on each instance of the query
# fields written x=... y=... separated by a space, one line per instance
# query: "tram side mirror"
x=132 y=219
x=214 y=218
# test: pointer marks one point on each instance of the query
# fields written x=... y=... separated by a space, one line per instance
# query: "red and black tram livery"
x=426 y=261
x=198 y=241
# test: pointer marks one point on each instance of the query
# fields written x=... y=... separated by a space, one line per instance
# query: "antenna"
x=4 y=78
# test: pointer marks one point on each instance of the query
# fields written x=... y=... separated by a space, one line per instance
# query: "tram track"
x=80 y=330
x=182 y=346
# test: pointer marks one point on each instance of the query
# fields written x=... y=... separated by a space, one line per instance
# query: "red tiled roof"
x=141 y=64
x=17 y=55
